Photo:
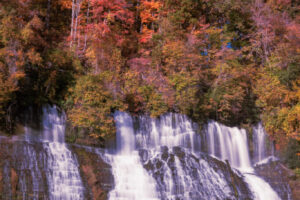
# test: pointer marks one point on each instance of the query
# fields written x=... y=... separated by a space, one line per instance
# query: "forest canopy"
x=234 y=61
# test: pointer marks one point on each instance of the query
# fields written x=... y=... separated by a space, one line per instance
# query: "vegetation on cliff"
x=233 y=61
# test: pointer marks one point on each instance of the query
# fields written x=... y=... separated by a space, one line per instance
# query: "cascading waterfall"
x=231 y=144
x=155 y=158
x=131 y=180
x=64 y=179
x=178 y=174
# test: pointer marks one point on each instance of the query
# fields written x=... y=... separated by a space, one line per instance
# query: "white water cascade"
x=156 y=158
x=261 y=153
x=170 y=151
x=63 y=177
x=231 y=144
x=131 y=180
x=169 y=130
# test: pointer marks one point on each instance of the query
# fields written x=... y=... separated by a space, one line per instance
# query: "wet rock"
x=277 y=175
x=81 y=136
x=22 y=171
x=143 y=154
x=95 y=172
x=184 y=176
x=295 y=187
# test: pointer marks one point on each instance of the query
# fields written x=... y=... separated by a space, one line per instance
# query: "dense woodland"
x=234 y=61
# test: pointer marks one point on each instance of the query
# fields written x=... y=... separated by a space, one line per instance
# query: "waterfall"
x=131 y=179
x=259 y=137
x=169 y=130
x=261 y=153
x=64 y=179
x=231 y=144
x=155 y=158
x=23 y=164
x=168 y=149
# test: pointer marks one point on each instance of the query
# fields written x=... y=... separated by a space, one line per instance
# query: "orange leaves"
x=149 y=11
x=149 y=14
x=146 y=35
x=65 y=4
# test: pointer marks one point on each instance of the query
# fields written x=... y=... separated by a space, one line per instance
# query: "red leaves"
x=110 y=18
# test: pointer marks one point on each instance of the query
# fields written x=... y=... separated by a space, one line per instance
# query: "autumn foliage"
x=233 y=61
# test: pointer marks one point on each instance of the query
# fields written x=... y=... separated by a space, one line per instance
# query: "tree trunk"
x=72 y=22
x=87 y=22
x=77 y=10
x=78 y=40
x=48 y=14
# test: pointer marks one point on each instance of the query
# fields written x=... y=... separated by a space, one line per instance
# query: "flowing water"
x=169 y=130
x=64 y=180
x=62 y=173
x=259 y=141
x=131 y=179
x=262 y=154
x=155 y=158
x=231 y=144
x=184 y=175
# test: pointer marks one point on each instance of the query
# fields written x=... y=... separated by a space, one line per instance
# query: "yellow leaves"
x=213 y=30
x=281 y=104
x=34 y=57
x=116 y=61
x=174 y=53
x=270 y=92
x=28 y=33
x=94 y=135
x=296 y=89
x=90 y=53
x=93 y=104
x=285 y=120
x=8 y=29
x=110 y=17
